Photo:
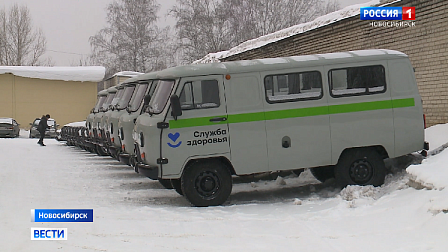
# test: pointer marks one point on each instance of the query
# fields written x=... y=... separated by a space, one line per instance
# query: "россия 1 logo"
x=387 y=13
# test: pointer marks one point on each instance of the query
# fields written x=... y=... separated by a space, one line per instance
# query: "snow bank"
x=89 y=73
x=330 y=18
x=436 y=135
x=433 y=172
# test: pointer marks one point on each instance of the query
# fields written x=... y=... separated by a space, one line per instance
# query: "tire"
x=323 y=173
x=177 y=185
x=206 y=183
x=361 y=166
x=166 y=183
x=101 y=151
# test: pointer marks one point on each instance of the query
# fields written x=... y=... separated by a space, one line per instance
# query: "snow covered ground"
x=133 y=213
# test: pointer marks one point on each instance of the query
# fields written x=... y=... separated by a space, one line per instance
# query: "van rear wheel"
x=361 y=166
x=206 y=183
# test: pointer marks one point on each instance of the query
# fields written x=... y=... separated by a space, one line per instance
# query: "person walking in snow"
x=42 y=127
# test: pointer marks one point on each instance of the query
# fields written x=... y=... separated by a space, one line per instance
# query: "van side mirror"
x=176 y=110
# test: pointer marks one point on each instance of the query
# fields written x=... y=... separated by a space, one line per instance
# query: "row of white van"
x=194 y=127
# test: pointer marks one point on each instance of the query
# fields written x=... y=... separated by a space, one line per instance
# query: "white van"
x=340 y=114
x=137 y=105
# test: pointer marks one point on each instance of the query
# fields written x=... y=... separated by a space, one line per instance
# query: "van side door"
x=246 y=123
x=297 y=120
x=201 y=131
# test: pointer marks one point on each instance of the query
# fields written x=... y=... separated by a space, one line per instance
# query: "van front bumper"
x=124 y=158
x=151 y=172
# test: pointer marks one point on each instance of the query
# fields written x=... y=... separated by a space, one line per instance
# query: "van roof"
x=102 y=92
x=112 y=90
x=279 y=63
x=146 y=76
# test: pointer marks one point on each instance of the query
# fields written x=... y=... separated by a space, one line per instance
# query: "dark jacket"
x=43 y=124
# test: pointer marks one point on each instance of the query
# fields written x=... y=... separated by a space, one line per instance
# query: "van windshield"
x=117 y=97
x=124 y=101
x=137 y=98
x=101 y=100
x=109 y=99
x=161 y=95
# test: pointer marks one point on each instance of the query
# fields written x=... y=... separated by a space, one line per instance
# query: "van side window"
x=200 y=95
x=357 y=81
x=293 y=87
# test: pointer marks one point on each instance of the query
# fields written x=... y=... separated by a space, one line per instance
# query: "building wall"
x=426 y=44
x=6 y=95
x=65 y=101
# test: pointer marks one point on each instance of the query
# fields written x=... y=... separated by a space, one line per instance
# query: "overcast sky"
x=68 y=24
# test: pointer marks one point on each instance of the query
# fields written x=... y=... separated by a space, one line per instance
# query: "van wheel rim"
x=207 y=184
x=361 y=171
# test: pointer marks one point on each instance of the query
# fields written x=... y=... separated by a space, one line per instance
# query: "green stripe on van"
x=294 y=113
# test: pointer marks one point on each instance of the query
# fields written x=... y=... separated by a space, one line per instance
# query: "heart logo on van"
x=174 y=136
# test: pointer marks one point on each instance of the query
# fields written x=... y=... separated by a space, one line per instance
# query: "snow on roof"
x=5 y=120
x=127 y=74
x=80 y=73
x=330 y=18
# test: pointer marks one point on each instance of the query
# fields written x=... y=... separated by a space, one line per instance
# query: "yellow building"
x=66 y=93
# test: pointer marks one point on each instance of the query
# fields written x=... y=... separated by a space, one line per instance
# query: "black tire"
x=323 y=173
x=361 y=166
x=101 y=151
x=177 y=185
x=206 y=183
x=166 y=183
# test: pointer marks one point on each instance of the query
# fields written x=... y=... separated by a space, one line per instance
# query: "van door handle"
x=218 y=119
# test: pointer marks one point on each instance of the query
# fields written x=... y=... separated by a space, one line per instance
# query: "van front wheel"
x=206 y=183
x=360 y=167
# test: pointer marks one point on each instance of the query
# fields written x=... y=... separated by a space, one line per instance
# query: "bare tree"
x=205 y=26
x=201 y=27
x=19 y=44
x=131 y=41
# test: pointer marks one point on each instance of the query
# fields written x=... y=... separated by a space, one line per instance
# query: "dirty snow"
x=133 y=213
x=330 y=18
x=80 y=73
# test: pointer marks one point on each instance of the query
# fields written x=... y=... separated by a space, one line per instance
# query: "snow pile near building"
x=433 y=172
x=330 y=18
x=81 y=73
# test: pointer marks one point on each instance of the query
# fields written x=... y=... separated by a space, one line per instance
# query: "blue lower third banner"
x=61 y=215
